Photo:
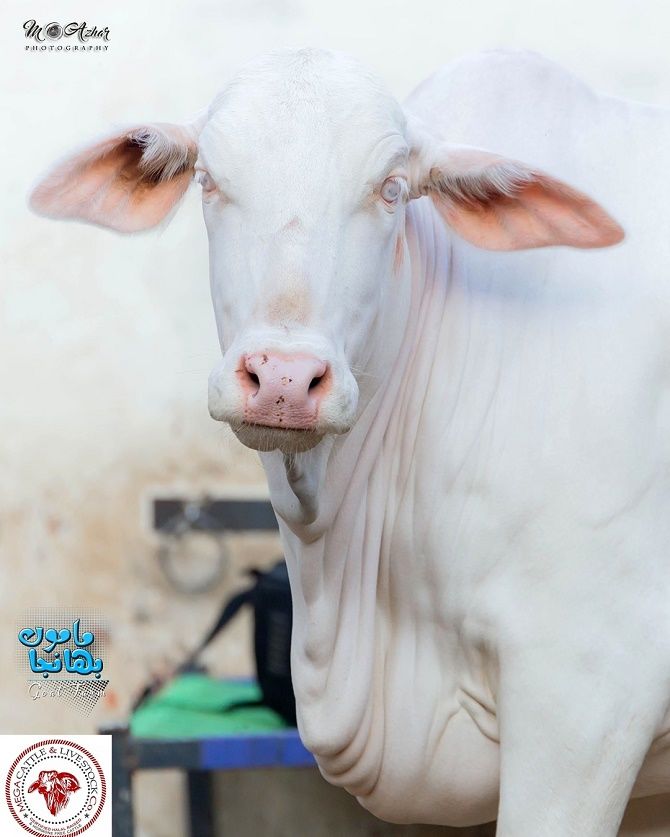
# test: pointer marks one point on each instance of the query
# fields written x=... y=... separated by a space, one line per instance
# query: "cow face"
x=306 y=167
x=304 y=175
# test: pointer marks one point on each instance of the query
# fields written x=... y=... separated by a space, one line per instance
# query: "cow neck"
x=337 y=564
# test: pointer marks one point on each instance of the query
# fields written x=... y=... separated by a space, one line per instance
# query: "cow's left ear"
x=129 y=181
x=501 y=204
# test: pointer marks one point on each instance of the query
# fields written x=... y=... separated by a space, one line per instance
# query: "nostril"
x=253 y=383
x=248 y=379
x=315 y=382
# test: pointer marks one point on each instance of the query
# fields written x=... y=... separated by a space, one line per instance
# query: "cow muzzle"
x=278 y=400
x=283 y=391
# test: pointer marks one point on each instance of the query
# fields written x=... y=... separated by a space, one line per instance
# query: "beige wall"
x=105 y=343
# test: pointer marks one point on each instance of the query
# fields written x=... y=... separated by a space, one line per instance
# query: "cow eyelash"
x=206 y=181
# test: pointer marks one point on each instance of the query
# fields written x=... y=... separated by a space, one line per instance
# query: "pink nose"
x=283 y=391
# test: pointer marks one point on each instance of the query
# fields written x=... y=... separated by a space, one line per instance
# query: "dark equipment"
x=270 y=598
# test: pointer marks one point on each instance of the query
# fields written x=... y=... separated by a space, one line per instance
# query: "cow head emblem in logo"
x=56 y=788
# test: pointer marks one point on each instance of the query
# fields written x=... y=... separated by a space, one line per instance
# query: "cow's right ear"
x=128 y=182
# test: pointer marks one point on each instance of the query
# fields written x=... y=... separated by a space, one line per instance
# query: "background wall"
x=106 y=343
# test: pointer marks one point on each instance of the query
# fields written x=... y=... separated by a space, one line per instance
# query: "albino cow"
x=468 y=451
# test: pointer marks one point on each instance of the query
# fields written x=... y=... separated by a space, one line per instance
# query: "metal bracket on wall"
x=212 y=515
x=181 y=522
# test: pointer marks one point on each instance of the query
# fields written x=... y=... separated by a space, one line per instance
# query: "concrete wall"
x=106 y=343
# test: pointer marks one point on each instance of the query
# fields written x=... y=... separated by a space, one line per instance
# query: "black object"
x=270 y=598
x=211 y=515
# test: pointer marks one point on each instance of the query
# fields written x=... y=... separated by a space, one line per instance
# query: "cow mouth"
x=265 y=437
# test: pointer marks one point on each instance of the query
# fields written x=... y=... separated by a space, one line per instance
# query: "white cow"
x=468 y=451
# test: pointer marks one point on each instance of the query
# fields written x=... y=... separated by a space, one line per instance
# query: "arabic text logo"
x=74 y=661
x=61 y=652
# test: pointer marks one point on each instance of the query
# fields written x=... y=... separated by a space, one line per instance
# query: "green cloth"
x=197 y=706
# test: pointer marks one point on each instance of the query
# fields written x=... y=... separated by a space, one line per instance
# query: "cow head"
x=56 y=788
x=306 y=166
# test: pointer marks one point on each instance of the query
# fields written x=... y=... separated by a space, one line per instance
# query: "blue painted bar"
x=282 y=748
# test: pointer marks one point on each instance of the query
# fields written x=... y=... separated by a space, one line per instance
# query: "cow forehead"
x=296 y=105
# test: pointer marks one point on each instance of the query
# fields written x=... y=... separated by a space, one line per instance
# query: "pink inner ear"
x=106 y=184
x=537 y=217
x=499 y=204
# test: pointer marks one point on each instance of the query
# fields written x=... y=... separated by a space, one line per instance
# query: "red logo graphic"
x=56 y=788
x=67 y=777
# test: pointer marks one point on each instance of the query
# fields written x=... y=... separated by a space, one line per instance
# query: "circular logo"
x=55 y=787
x=53 y=31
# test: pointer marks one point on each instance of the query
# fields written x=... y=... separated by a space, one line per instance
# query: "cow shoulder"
x=500 y=99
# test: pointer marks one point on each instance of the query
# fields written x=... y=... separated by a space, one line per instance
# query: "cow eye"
x=206 y=181
x=391 y=190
